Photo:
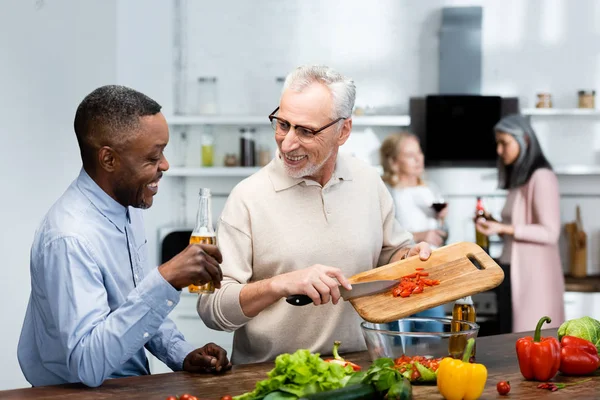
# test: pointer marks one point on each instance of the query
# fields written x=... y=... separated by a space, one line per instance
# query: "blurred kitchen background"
x=217 y=68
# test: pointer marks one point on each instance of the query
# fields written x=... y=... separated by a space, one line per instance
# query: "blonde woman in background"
x=403 y=166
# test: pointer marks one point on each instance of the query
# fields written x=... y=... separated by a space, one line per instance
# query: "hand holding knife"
x=358 y=290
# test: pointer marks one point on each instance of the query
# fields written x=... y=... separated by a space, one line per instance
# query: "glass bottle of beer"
x=463 y=310
x=482 y=240
x=203 y=233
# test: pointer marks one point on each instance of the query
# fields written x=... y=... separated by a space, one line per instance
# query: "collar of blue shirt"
x=109 y=207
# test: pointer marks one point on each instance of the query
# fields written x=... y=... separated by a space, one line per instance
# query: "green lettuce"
x=299 y=374
x=584 y=328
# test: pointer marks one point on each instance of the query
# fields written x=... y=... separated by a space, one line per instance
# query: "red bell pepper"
x=578 y=356
x=339 y=360
x=539 y=357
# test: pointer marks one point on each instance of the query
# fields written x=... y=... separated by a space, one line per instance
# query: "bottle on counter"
x=463 y=310
x=482 y=240
x=203 y=232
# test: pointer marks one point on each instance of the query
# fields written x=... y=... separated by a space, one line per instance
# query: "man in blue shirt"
x=95 y=302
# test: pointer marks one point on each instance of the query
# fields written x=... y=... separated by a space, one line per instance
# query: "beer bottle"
x=203 y=233
x=482 y=240
x=463 y=310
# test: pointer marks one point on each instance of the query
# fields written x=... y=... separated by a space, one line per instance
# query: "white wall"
x=52 y=56
x=391 y=49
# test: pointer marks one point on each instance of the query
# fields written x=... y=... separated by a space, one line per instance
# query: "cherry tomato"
x=171 y=398
x=185 y=396
x=503 y=387
x=227 y=397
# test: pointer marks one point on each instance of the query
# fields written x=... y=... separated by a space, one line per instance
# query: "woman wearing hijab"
x=533 y=285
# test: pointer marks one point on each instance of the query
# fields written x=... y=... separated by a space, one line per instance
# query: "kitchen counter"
x=588 y=284
x=496 y=352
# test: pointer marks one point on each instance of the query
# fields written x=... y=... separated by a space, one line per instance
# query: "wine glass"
x=438 y=204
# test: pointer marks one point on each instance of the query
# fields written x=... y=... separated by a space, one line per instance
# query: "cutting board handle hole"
x=475 y=261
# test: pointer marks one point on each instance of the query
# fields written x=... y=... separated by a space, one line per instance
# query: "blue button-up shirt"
x=95 y=303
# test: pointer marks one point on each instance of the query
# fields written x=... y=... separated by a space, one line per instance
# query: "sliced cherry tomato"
x=227 y=397
x=503 y=387
x=415 y=375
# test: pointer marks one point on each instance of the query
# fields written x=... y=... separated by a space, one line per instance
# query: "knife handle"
x=299 y=300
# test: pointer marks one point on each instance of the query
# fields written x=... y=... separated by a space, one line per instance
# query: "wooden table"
x=496 y=352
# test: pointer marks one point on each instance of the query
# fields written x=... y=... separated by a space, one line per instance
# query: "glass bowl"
x=427 y=337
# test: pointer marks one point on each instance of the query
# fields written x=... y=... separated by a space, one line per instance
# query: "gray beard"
x=309 y=170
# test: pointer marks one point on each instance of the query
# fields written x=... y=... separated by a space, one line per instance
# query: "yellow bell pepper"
x=460 y=379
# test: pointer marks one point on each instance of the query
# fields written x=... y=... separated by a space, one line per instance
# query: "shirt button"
x=136 y=277
x=146 y=334
x=169 y=303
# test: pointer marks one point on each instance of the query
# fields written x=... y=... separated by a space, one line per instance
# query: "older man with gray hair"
x=301 y=225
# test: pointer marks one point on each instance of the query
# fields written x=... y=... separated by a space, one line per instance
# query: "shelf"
x=573 y=170
x=218 y=120
x=560 y=112
x=211 y=171
x=366 y=120
x=381 y=120
x=577 y=170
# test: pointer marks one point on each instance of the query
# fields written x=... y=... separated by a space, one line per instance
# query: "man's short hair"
x=109 y=116
x=343 y=89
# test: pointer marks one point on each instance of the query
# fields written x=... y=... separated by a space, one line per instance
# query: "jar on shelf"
x=587 y=99
x=264 y=154
x=207 y=95
x=230 y=160
x=544 y=100
x=208 y=146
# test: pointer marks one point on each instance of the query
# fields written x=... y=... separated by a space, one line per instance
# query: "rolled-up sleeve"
x=98 y=341
x=394 y=236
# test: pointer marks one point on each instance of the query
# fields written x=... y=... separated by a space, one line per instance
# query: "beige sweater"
x=273 y=224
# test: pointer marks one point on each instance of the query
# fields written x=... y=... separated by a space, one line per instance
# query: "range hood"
x=460 y=57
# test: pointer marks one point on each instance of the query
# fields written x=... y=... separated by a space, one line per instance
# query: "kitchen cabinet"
x=193 y=329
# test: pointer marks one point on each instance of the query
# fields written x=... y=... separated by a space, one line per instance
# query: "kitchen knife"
x=358 y=290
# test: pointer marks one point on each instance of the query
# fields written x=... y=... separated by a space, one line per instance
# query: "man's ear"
x=345 y=132
x=108 y=159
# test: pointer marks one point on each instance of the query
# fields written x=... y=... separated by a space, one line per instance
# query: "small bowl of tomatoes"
x=418 y=344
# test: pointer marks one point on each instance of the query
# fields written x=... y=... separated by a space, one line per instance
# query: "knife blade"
x=358 y=290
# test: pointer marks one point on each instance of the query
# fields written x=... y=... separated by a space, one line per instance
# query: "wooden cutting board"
x=451 y=265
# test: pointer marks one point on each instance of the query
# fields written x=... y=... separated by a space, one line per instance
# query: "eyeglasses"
x=305 y=135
